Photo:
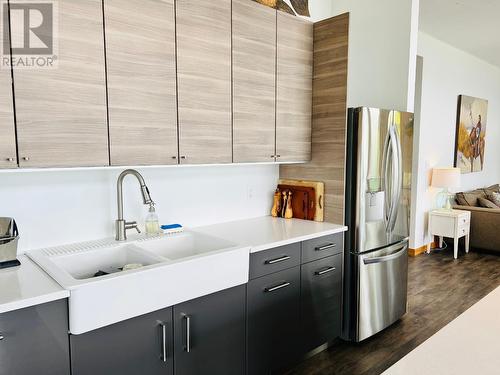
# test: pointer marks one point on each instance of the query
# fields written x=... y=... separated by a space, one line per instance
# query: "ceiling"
x=470 y=25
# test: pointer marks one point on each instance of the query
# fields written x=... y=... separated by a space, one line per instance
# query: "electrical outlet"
x=250 y=193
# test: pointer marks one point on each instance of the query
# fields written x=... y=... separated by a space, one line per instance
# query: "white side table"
x=453 y=224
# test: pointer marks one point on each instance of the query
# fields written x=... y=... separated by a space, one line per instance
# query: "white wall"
x=64 y=206
x=382 y=49
x=447 y=73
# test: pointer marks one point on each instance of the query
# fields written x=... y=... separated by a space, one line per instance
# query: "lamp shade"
x=447 y=178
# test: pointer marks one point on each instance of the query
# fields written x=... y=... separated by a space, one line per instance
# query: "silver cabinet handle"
x=26 y=158
x=183 y=157
x=174 y=157
x=187 y=348
x=325 y=247
x=277 y=287
x=277 y=260
x=1 y=337
x=163 y=341
x=10 y=159
x=326 y=270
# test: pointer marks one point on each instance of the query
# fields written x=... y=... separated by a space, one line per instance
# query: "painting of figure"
x=471 y=133
x=293 y=7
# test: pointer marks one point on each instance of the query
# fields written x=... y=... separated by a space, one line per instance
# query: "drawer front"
x=443 y=226
x=322 y=247
x=274 y=260
x=273 y=315
x=464 y=220
x=321 y=300
x=463 y=230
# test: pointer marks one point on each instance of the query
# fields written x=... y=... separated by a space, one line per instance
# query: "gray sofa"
x=485 y=222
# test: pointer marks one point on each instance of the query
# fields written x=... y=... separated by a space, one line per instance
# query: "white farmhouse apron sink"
x=175 y=268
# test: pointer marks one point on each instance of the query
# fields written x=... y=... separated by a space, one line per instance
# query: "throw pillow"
x=471 y=197
x=486 y=203
x=459 y=197
x=495 y=198
x=493 y=189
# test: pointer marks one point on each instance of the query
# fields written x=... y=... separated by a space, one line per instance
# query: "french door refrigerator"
x=377 y=211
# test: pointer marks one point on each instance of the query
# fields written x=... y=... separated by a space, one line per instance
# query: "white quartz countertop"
x=467 y=345
x=27 y=285
x=266 y=232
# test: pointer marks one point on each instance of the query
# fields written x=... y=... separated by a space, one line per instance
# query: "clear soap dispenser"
x=152 y=222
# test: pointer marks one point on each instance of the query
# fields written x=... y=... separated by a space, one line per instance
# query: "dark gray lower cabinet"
x=34 y=340
x=321 y=298
x=286 y=310
x=209 y=334
x=273 y=321
x=203 y=336
x=142 y=345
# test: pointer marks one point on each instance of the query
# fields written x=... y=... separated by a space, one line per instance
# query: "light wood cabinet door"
x=8 y=156
x=254 y=82
x=61 y=111
x=140 y=55
x=204 y=80
x=294 y=88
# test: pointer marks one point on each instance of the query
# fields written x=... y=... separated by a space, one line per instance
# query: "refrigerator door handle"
x=385 y=181
x=393 y=178
x=386 y=258
x=397 y=177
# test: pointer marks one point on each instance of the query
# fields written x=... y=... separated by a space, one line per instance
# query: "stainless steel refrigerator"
x=377 y=211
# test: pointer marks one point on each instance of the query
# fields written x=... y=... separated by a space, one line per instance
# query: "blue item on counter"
x=171 y=226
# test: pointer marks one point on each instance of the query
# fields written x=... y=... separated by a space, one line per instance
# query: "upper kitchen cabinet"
x=294 y=88
x=254 y=82
x=61 y=109
x=204 y=80
x=8 y=157
x=140 y=54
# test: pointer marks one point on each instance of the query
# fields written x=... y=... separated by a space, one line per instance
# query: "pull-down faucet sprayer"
x=121 y=225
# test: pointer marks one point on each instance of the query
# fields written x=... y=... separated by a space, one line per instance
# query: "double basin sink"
x=173 y=268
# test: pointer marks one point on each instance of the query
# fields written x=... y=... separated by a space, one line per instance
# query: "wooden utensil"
x=283 y=203
x=276 y=204
x=289 y=210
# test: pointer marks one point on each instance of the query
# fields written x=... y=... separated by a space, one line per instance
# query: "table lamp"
x=447 y=179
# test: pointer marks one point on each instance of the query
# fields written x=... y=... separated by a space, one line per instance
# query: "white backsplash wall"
x=62 y=206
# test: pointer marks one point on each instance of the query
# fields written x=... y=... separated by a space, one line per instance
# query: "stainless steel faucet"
x=121 y=225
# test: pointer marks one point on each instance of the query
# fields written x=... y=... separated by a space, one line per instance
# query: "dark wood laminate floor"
x=440 y=289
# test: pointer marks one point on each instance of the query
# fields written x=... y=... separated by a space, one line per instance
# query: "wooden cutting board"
x=306 y=206
x=319 y=190
x=300 y=201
